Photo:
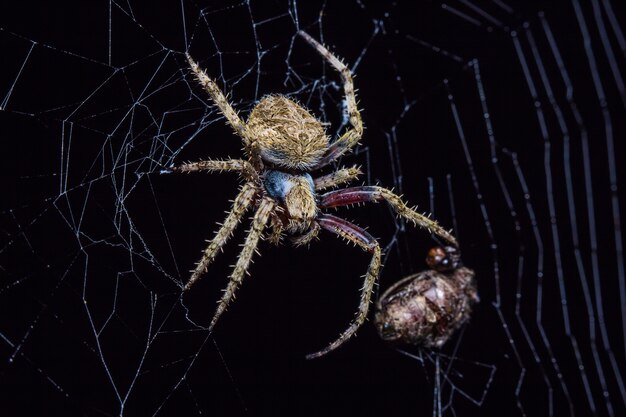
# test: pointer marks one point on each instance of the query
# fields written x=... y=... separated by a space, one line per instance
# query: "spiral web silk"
x=513 y=138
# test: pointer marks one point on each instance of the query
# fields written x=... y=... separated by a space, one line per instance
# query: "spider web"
x=504 y=119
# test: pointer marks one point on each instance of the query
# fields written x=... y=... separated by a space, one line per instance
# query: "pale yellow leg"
x=219 y=99
x=276 y=234
x=234 y=165
x=240 y=205
x=336 y=178
x=352 y=136
x=414 y=217
x=245 y=257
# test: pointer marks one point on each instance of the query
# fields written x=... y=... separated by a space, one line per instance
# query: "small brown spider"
x=283 y=143
x=426 y=308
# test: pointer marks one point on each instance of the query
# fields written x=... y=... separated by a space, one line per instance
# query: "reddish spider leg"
x=259 y=222
x=334 y=179
x=364 y=194
x=241 y=204
x=352 y=136
x=365 y=241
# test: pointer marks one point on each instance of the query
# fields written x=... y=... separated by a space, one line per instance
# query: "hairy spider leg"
x=336 y=178
x=220 y=100
x=240 y=206
x=365 y=241
x=276 y=235
x=259 y=222
x=352 y=136
x=364 y=194
x=244 y=167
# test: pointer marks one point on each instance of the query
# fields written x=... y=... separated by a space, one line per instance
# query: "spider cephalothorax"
x=284 y=143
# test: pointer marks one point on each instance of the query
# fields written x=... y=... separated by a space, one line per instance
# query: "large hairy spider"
x=283 y=144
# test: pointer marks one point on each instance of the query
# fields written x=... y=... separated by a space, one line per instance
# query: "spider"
x=283 y=144
x=428 y=307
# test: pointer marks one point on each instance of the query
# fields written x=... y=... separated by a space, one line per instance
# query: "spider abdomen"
x=286 y=134
x=428 y=308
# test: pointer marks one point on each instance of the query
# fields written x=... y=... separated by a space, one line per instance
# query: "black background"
x=296 y=300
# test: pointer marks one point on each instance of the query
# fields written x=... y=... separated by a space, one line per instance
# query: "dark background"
x=92 y=234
